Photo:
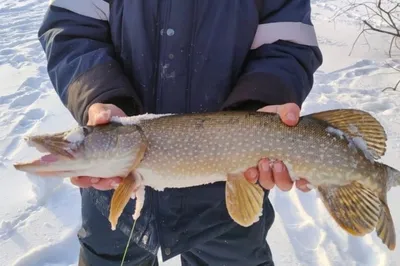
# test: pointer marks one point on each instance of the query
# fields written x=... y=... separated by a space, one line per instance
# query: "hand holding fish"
x=99 y=113
x=268 y=172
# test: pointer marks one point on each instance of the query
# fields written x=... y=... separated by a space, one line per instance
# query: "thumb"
x=288 y=112
x=100 y=113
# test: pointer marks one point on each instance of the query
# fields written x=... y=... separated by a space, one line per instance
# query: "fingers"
x=97 y=183
x=82 y=182
x=100 y=113
x=270 y=173
x=281 y=176
x=274 y=173
x=251 y=175
x=302 y=185
x=266 y=179
x=289 y=112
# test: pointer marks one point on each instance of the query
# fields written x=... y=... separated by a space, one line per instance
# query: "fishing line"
x=127 y=244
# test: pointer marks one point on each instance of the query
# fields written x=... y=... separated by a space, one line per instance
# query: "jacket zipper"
x=157 y=56
x=189 y=67
x=163 y=11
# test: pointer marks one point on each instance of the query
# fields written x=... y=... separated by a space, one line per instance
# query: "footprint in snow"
x=5 y=99
x=304 y=236
x=24 y=100
x=360 y=72
x=7 y=51
x=362 y=251
x=28 y=121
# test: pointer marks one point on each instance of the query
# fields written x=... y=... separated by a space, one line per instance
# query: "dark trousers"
x=216 y=252
x=225 y=250
x=237 y=246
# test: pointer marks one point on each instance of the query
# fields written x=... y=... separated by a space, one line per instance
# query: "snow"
x=40 y=217
x=134 y=120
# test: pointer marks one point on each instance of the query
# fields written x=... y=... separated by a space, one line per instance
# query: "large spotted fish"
x=336 y=150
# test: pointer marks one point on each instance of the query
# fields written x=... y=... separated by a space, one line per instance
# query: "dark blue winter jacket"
x=178 y=56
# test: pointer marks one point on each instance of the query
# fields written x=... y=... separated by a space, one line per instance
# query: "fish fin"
x=385 y=227
x=356 y=123
x=355 y=208
x=140 y=195
x=120 y=198
x=130 y=184
x=244 y=200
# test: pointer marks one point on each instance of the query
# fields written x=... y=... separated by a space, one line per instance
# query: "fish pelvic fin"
x=359 y=210
x=131 y=183
x=357 y=124
x=244 y=200
x=121 y=197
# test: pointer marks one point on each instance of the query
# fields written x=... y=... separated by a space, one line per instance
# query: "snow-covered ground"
x=39 y=218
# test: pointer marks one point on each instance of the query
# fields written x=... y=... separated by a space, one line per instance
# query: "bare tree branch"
x=376 y=10
x=388 y=14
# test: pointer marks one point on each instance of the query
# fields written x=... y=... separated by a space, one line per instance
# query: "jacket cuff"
x=257 y=90
x=126 y=104
x=104 y=83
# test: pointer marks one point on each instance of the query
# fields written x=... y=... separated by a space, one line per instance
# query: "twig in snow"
x=388 y=13
x=397 y=84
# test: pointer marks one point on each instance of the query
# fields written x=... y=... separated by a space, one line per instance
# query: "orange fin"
x=244 y=200
x=120 y=198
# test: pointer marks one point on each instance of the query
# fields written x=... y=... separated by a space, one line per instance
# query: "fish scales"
x=335 y=150
x=185 y=150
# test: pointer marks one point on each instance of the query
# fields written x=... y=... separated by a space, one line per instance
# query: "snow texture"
x=40 y=217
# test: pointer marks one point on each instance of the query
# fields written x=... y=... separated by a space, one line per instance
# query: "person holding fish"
x=125 y=58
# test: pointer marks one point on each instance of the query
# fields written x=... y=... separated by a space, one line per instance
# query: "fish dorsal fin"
x=357 y=124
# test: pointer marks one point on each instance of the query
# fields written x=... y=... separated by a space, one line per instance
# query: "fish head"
x=99 y=151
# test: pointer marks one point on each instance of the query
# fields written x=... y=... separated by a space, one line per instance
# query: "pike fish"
x=336 y=150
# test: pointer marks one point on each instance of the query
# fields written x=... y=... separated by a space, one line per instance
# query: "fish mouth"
x=60 y=158
x=47 y=165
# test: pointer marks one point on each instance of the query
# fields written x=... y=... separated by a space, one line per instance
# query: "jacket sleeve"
x=82 y=67
x=282 y=60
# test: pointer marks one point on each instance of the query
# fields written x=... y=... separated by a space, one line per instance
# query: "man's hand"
x=270 y=173
x=99 y=113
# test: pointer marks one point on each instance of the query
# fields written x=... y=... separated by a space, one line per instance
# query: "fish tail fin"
x=358 y=210
x=393 y=177
x=385 y=227
x=120 y=198
x=244 y=200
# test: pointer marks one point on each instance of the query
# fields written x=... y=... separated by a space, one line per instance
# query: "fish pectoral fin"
x=244 y=200
x=355 y=208
x=120 y=198
x=140 y=195
x=356 y=123
x=385 y=227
